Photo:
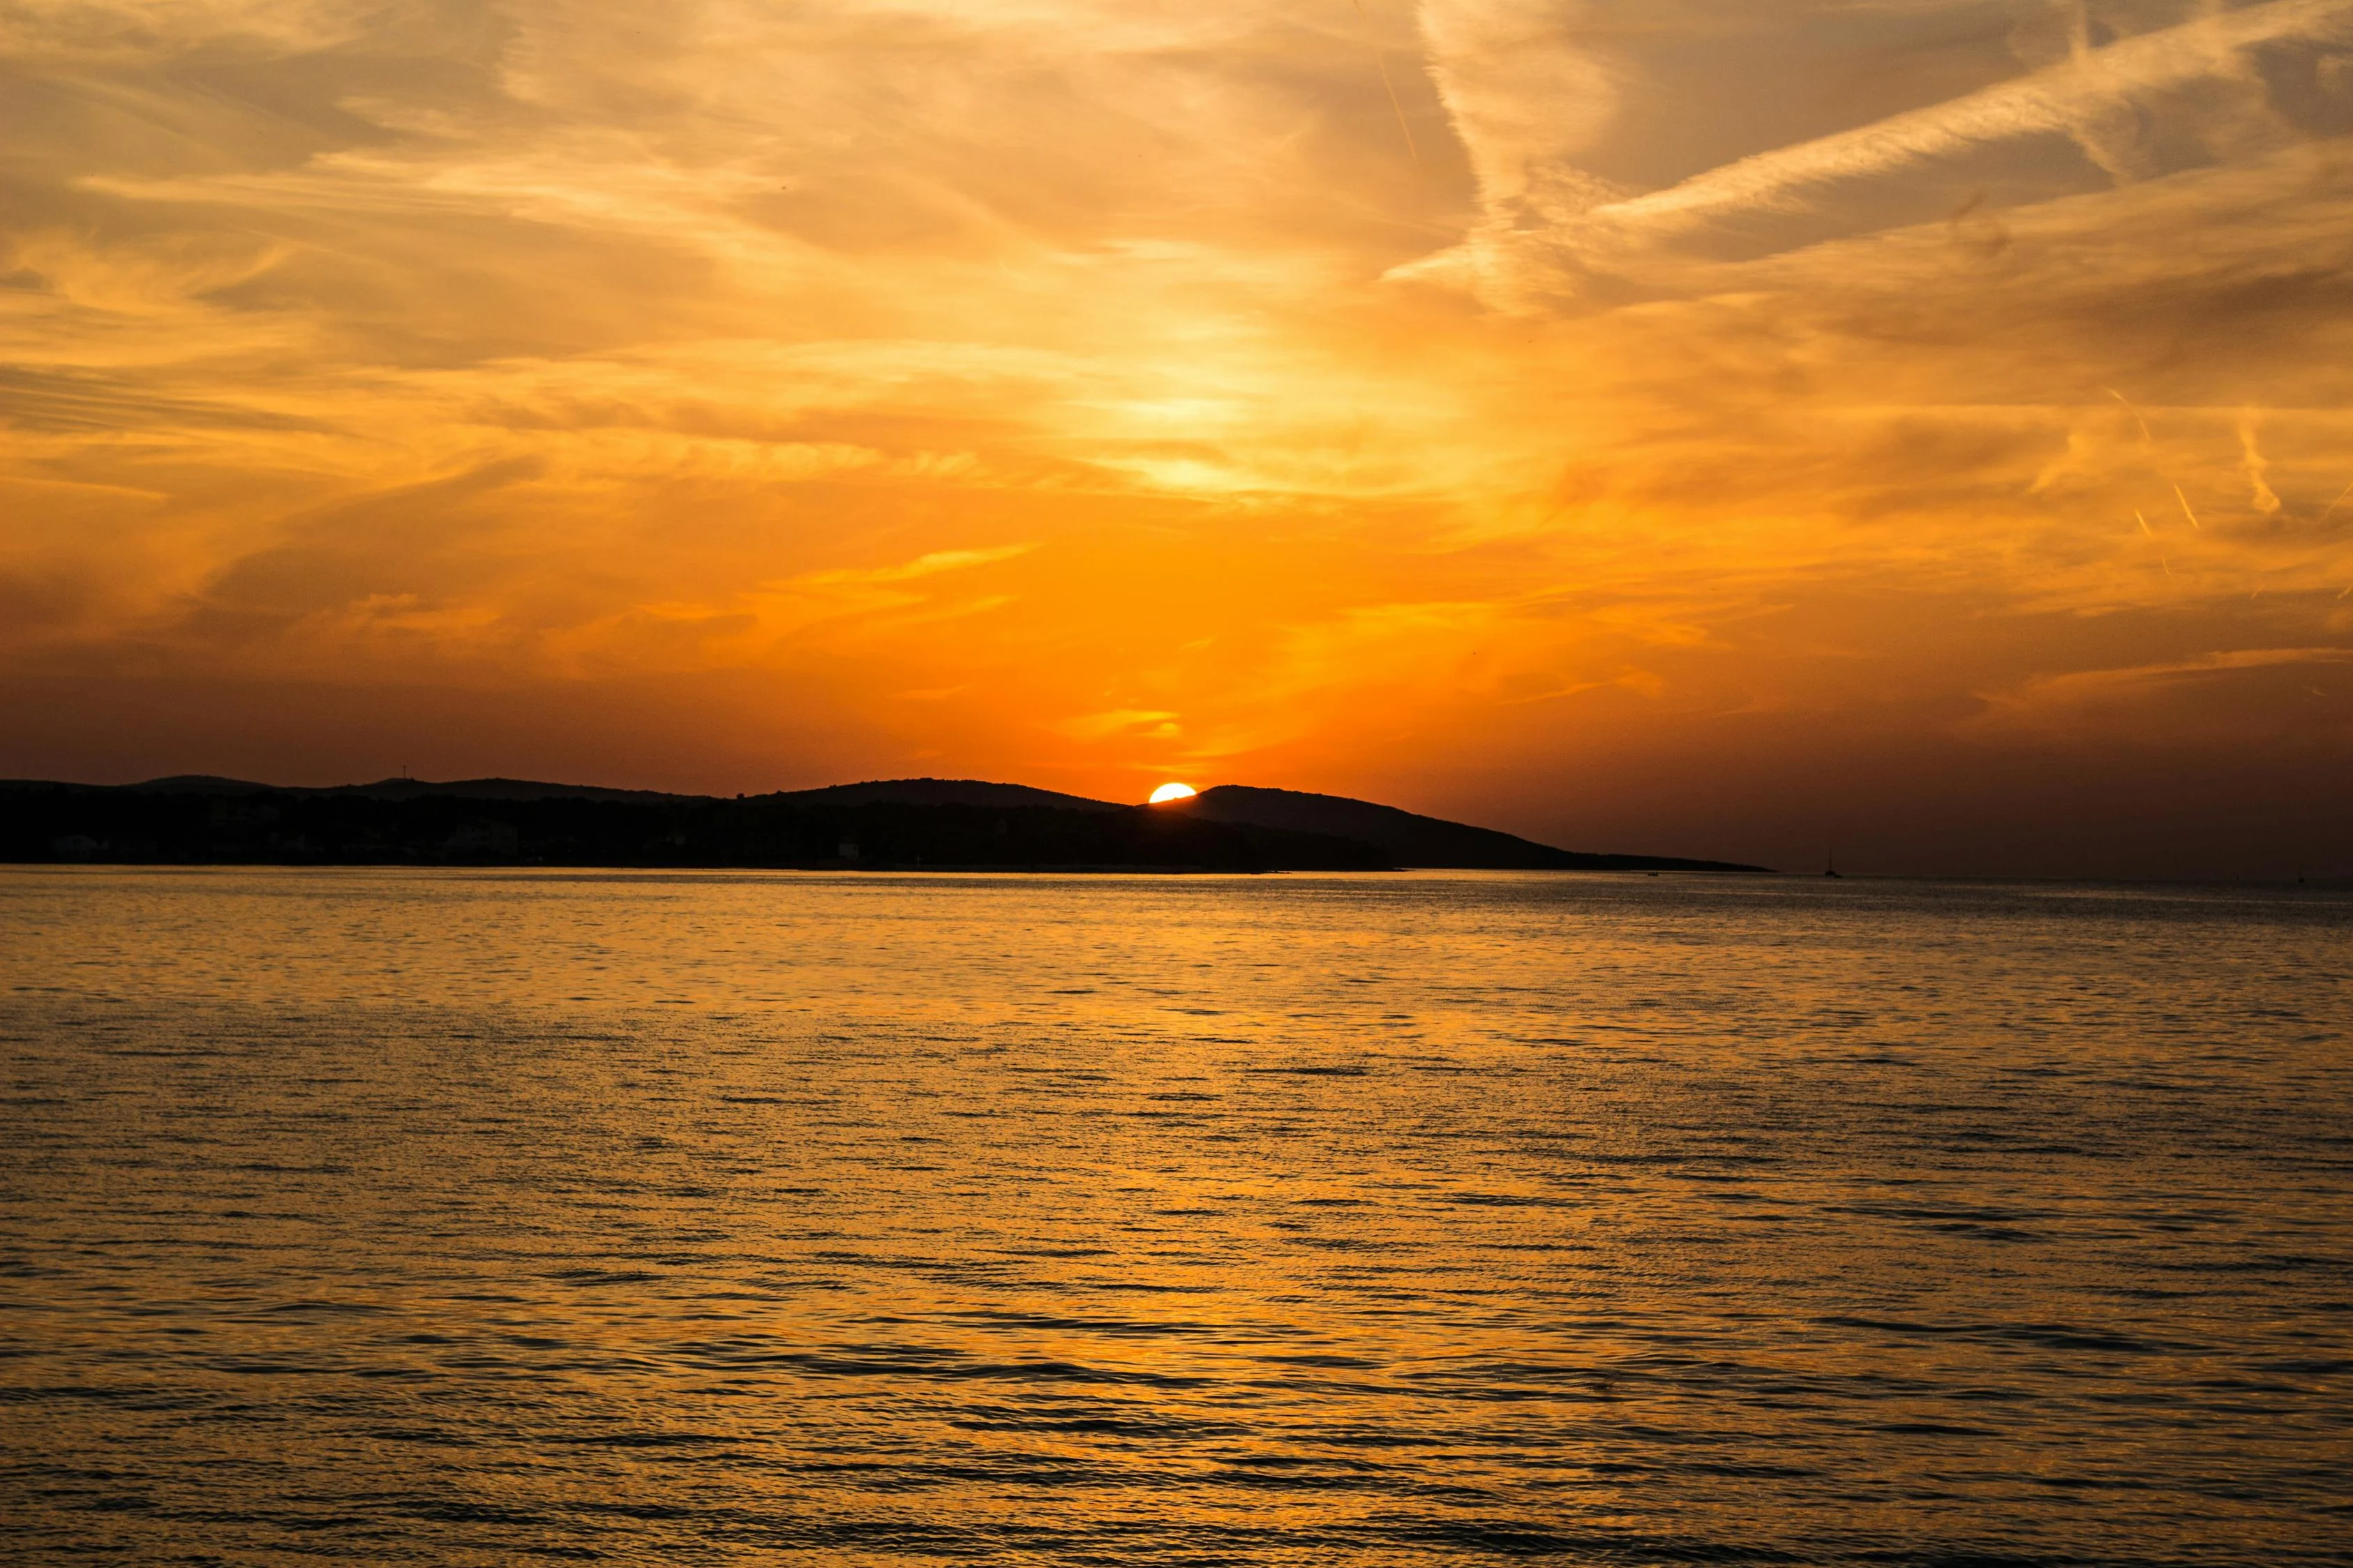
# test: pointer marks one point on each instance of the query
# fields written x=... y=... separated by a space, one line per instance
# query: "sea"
x=490 y=1217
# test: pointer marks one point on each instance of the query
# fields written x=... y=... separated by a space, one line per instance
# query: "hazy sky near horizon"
x=1713 y=427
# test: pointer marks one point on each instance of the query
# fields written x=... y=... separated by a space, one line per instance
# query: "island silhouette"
x=961 y=825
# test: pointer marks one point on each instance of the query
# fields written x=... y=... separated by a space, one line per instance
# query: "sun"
x=1169 y=792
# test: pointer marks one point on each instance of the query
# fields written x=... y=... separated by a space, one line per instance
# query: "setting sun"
x=1169 y=792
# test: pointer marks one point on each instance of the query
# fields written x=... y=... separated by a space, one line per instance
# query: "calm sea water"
x=461 y=1217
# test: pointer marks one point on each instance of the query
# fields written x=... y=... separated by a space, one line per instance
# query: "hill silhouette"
x=1411 y=839
x=395 y=789
x=929 y=823
x=945 y=792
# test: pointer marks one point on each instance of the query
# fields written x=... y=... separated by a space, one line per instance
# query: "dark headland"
x=902 y=824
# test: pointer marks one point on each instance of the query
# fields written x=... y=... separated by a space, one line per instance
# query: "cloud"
x=1158 y=722
x=938 y=561
x=2234 y=696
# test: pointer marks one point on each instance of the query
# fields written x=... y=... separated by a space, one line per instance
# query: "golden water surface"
x=485 y=1218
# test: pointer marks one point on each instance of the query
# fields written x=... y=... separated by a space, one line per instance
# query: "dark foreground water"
x=450 y=1217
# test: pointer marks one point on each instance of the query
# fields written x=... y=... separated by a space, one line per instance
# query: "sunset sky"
x=1721 y=427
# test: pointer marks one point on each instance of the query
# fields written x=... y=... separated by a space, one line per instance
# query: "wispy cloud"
x=928 y=566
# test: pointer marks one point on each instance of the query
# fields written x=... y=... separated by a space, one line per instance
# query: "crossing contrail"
x=1382 y=58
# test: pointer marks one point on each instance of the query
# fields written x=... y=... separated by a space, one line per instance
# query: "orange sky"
x=1707 y=426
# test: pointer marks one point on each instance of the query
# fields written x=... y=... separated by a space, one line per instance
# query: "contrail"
x=2143 y=525
x=1381 y=58
x=2054 y=100
x=2186 y=512
x=2120 y=397
x=2347 y=490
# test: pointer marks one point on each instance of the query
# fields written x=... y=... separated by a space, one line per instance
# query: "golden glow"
x=1081 y=392
x=1168 y=791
